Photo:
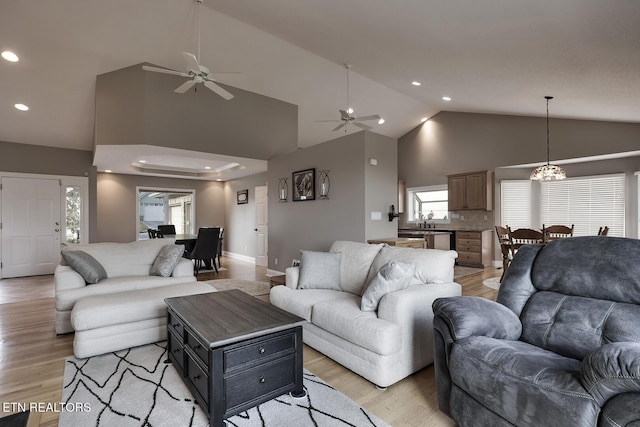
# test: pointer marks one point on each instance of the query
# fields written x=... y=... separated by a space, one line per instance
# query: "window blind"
x=515 y=203
x=587 y=202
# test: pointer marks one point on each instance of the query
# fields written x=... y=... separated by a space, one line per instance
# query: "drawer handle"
x=175 y=325
x=196 y=377
x=261 y=350
x=176 y=350
x=196 y=347
x=262 y=380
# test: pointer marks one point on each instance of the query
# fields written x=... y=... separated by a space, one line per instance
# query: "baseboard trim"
x=271 y=272
x=497 y=264
x=246 y=258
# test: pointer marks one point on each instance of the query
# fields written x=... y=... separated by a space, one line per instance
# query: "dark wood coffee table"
x=234 y=351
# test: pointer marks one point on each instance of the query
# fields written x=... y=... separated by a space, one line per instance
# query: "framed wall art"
x=242 y=197
x=303 y=183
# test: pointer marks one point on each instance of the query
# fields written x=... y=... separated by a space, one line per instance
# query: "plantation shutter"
x=587 y=202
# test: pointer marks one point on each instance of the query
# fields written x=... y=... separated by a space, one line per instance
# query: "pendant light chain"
x=199 y=3
x=348 y=106
x=547 y=97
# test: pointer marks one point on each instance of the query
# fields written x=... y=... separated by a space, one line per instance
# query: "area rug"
x=493 y=283
x=136 y=388
x=250 y=287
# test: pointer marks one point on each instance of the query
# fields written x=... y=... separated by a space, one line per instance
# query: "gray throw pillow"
x=393 y=276
x=85 y=265
x=167 y=260
x=319 y=270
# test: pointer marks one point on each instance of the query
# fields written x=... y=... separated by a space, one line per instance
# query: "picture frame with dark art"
x=242 y=197
x=303 y=183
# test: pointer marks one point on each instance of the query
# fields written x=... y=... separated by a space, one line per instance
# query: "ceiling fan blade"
x=373 y=117
x=165 y=71
x=192 y=62
x=340 y=126
x=185 y=86
x=217 y=89
x=362 y=126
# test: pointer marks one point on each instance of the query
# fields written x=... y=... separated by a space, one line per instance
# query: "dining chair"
x=153 y=234
x=524 y=236
x=555 y=232
x=505 y=247
x=167 y=229
x=220 y=246
x=206 y=249
x=603 y=231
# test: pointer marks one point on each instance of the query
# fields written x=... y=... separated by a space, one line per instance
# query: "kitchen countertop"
x=437 y=229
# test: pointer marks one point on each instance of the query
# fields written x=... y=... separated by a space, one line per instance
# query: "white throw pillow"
x=393 y=276
x=166 y=260
x=319 y=270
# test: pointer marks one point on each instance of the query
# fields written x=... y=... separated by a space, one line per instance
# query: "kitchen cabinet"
x=474 y=248
x=471 y=191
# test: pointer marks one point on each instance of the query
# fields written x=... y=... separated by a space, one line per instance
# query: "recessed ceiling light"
x=142 y=161
x=446 y=98
x=416 y=83
x=350 y=110
x=218 y=180
x=424 y=119
x=381 y=121
x=207 y=167
x=21 y=107
x=10 y=56
x=108 y=170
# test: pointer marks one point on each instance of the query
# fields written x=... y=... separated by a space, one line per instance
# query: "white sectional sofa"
x=382 y=346
x=127 y=266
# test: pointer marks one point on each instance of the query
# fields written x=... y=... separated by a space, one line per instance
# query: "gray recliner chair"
x=560 y=347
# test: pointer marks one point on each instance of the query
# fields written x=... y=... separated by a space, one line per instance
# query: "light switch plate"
x=376 y=216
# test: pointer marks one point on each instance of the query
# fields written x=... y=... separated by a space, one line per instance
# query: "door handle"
x=57 y=230
x=255 y=229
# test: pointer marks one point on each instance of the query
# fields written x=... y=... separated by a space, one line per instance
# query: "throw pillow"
x=167 y=260
x=319 y=270
x=85 y=265
x=393 y=276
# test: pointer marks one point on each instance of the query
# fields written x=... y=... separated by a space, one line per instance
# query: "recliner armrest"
x=468 y=316
x=612 y=369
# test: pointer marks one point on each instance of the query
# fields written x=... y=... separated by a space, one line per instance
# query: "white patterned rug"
x=493 y=283
x=136 y=388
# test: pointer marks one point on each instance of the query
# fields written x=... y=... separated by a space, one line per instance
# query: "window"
x=75 y=209
x=587 y=202
x=165 y=206
x=426 y=202
x=515 y=203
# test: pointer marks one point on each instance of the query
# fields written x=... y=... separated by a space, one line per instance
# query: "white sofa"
x=382 y=346
x=127 y=266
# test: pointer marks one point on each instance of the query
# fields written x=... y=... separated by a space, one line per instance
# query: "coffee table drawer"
x=199 y=379
x=256 y=351
x=198 y=348
x=259 y=381
x=175 y=324
x=176 y=351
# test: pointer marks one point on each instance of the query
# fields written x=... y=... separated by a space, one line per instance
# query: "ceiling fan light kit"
x=196 y=72
x=347 y=117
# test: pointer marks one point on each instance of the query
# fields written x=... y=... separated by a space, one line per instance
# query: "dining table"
x=189 y=242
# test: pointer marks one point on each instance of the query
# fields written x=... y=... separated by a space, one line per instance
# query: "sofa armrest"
x=184 y=268
x=612 y=369
x=293 y=275
x=66 y=278
x=467 y=316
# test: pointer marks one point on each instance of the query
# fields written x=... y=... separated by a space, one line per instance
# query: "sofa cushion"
x=432 y=265
x=319 y=270
x=124 y=259
x=521 y=382
x=85 y=265
x=301 y=303
x=393 y=276
x=355 y=264
x=166 y=260
x=345 y=319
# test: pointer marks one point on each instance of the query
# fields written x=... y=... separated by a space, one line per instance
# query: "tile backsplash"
x=478 y=220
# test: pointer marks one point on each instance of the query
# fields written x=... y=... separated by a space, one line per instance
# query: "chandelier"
x=548 y=172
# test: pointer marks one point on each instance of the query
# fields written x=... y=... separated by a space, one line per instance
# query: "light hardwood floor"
x=32 y=355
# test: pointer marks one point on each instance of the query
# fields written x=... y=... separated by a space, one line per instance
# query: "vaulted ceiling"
x=492 y=56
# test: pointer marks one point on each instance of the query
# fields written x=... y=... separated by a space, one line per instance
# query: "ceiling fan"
x=347 y=117
x=195 y=72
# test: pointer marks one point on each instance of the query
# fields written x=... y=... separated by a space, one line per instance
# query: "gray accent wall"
x=117 y=200
x=356 y=189
x=239 y=234
x=134 y=106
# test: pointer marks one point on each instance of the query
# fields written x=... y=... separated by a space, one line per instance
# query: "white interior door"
x=30 y=226
x=262 y=231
